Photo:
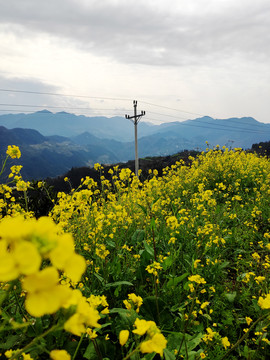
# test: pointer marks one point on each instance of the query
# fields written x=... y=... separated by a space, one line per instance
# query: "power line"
x=207 y=122
x=104 y=109
x=209 y=127
x=62 y=107
x=228 y=126
x=94 y=97
x=41 y=113
x=213 y=126
x=169 y=108
x=178 y=117
x=67 y=95
x=115 y=99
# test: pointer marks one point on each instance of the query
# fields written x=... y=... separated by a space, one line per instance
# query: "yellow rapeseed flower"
x=225 y=342
x=21 y=258
x=142 y=326
x=123 y=337
x=13 y=151
x=59 y=355
x=156 y=344
x=85 y=316
x=197 y=279
x=264 y=303
x=44 y=294
x=133 y=300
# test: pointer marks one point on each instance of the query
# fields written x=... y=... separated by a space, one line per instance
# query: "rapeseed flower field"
x=175 y=267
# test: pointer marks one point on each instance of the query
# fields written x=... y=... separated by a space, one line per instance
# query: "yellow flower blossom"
x=85 y=316
x=209 y=336
x=123 y=337
x=225 y=342
x=264 y=303
x=44 y=294
x=153 y=268
x=156 y=344
x=197 y=279
x=133 y=300
x=22 y=185
x=206 y=303
x=91 y=333
x=59 y=355
x=13 y=151
x=142 y=326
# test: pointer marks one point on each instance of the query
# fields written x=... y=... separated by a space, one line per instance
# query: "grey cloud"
x=147 y=34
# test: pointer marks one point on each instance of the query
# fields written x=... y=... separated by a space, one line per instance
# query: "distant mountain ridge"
x=66 y=124
x=48 y=152
x=242 y=131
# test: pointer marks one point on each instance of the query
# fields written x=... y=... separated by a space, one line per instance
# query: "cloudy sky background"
x=198 y=57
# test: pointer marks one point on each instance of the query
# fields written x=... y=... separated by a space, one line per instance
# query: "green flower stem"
x=154 y=243
x=244 y=336
x=8 y=291
x=97 y=349
x=137 y=349
x=187 y=322
x=156 y=298
x=35 y=340
x=4 y=165
x=19 y=305
x=26 y=201
x=78 y=346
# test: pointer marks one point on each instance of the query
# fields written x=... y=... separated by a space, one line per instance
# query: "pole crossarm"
x=136 y=117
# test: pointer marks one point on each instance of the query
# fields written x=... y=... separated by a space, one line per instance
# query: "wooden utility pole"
x=135 y=119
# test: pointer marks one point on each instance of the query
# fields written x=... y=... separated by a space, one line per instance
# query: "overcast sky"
x=200 y=57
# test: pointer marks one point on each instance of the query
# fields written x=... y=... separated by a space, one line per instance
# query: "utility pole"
x=135 y=119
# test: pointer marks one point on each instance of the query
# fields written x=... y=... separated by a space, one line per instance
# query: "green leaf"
x=153 y=224
x=100 y=278
x=143 y=208
x=176 y=280
x=118 y=283
x=192 y=343
x=150 y=356
x=149 y=249
x=105 y=348
x=127 y=317
x=231 y=296
x=224 y=264
x=168 y=355
x=137 y=237
x=167 y=263
x=90 y=352
x=10 y=342
x=3 y=295
x=110 y=243
x=119 y=311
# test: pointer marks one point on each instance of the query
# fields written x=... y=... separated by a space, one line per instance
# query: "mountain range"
x=52 y=143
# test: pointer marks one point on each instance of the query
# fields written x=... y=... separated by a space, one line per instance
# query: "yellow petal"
x=123 y=337
x=27 y=257
x=44 y=279
x=75 y=267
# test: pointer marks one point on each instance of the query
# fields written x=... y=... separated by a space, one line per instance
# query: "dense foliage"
x=177 y=266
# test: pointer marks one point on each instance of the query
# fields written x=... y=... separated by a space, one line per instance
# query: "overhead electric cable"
x=62 y=107
x=68 y=95
x=118 y=99
x=169 y=108
x=188 y=112
x=209 y=127
x=207 y=122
